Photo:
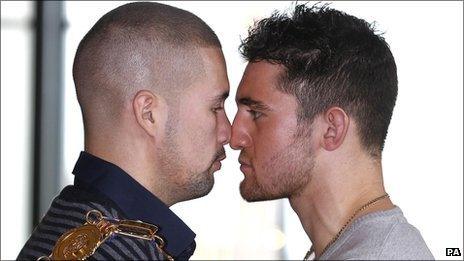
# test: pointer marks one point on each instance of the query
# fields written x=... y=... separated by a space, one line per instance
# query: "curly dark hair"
x=331 y=59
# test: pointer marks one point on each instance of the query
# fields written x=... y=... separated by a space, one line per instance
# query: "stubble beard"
x=184 y=183
x=289 y=171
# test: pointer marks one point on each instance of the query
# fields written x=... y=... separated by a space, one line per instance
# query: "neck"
x=132 y=158
x=330 y=199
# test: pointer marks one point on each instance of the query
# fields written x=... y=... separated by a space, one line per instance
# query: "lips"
x=220 y=156
x=245 y=165
x=246 y=168
x=217 y=165
x=244 y=162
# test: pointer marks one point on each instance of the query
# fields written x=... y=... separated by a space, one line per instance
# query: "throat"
x=325 y=223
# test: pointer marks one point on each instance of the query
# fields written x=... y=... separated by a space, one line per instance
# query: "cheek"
x=271 y=139
x=199 y=135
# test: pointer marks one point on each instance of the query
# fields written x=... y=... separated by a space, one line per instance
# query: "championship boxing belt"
x=81 y=242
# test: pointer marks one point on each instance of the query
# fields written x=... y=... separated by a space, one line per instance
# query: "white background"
x=422 y=159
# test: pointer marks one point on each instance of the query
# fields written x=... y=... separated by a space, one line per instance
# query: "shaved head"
x=137 y=46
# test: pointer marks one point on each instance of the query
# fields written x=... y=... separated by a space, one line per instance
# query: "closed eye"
x=216 y=109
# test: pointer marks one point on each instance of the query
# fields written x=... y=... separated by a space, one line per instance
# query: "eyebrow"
x=221 y=97
x=253 y=103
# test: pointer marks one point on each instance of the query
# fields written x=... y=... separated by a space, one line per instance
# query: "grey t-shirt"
x=379 y=235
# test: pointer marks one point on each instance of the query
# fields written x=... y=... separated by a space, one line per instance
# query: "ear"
x=336 y=124
x=146 y=107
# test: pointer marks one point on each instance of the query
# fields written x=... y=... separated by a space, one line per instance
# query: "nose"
x=240 y=138
x=224 y=131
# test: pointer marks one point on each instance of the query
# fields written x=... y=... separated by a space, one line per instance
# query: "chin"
x=257 y=193
x=201 y=188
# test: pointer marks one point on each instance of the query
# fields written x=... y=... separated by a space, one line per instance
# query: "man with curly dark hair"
x=314 y=106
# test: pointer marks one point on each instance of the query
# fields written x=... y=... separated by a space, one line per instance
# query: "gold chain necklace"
x=368 y=204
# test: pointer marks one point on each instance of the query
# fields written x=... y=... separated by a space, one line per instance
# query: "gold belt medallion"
x=80 y=243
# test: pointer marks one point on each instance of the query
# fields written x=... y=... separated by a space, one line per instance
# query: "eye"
x=216 y=109
x=255 y=114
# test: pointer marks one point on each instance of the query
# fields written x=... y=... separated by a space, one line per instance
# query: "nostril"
x=234 y=147
x=233 y=144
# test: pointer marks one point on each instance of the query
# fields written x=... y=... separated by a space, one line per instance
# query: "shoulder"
x=67 y=211
x=127 y=248
x=404 y=241
x=382 y=235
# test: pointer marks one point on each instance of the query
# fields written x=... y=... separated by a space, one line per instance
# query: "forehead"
x=213 y=79
x=260 y=81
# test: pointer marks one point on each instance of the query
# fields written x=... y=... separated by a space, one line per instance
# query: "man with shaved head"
x=151 y=82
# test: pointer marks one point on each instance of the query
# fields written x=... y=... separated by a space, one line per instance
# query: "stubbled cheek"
x=202 y=136
x=267 y=146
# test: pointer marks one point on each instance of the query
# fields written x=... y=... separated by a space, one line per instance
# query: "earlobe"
x=337 y=123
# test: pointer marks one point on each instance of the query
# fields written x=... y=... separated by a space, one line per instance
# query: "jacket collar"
x=136 y=202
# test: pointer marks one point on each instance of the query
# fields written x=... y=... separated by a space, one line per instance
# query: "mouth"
x=216 y=166
x=245 y=166
x=217 y=162
x=221 y=158
x=244 y=162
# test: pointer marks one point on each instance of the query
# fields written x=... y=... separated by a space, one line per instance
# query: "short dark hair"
x=170 y=24
x=331 y=59
x=134 y=46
